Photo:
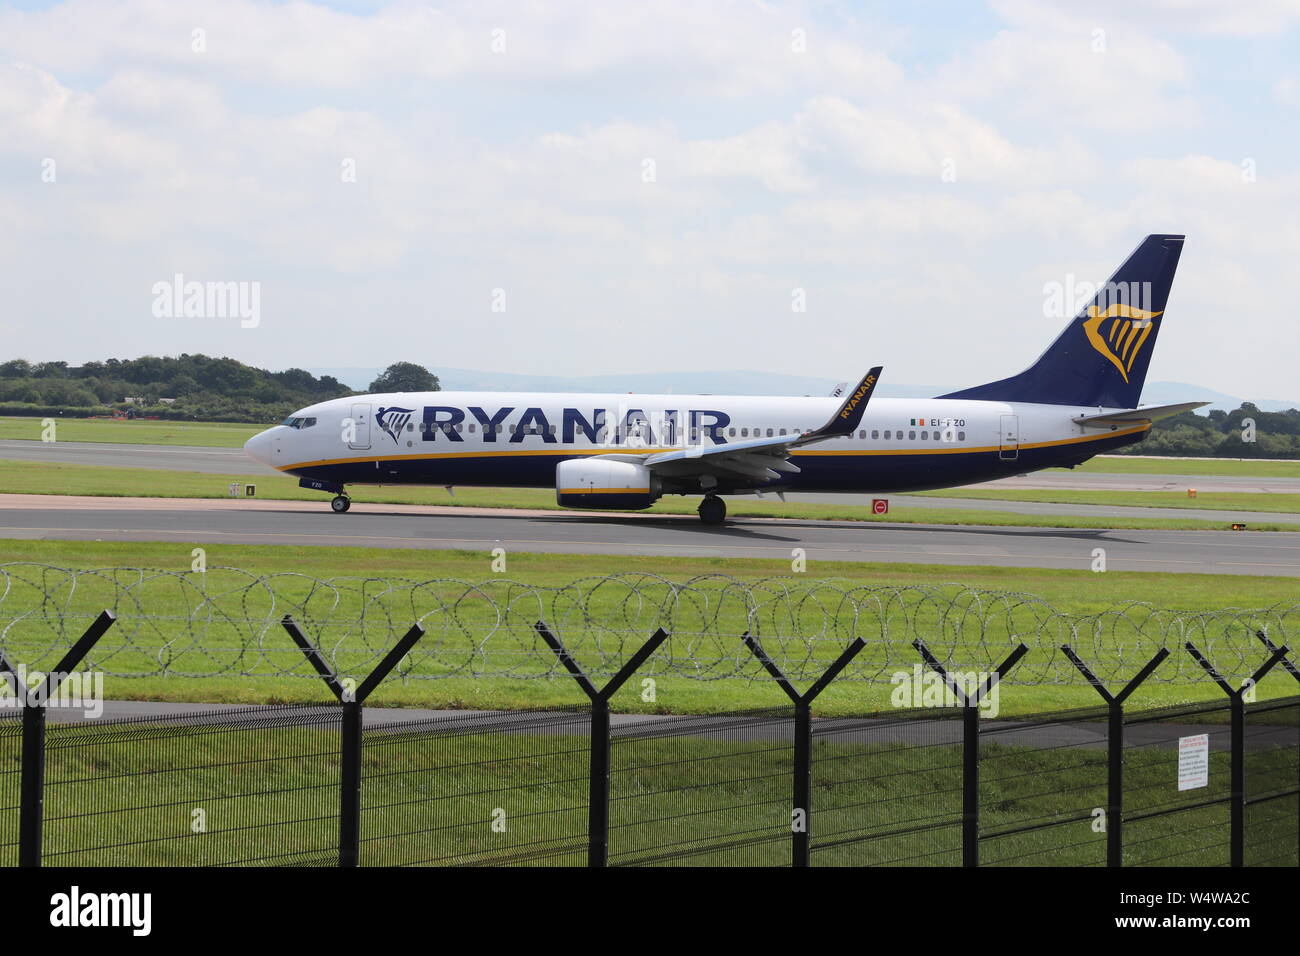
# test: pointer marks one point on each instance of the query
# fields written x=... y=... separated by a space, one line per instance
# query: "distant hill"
x=199 y=387
x=196 y=387
x=746 y=383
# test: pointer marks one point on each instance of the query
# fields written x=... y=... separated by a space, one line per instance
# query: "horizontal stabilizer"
x=1148 y=413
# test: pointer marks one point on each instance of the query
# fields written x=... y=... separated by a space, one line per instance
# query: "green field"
x=1209 y=501
x=25 y=477
x=522 y=674
x=1151 y=465
x=134 y=432
x=269 y=795
x=234 y=434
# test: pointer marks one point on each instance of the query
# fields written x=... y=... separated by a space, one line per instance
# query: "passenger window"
x=925 y=436
x=782 y=431
x=911 y=436
x=744 y=433
x=875 y=433
x=471 y=428
x=886 y=434
x=731 y=432
x=961 y=436
x=769 y=433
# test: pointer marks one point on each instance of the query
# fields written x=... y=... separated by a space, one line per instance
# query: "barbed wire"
x=226 y=622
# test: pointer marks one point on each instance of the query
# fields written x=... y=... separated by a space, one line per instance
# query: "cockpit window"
x=299 y=422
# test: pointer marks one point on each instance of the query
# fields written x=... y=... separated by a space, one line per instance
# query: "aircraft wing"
x=1149 y=413
x=761 y=459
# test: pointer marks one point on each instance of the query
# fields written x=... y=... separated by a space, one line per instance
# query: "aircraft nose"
x=259 y=447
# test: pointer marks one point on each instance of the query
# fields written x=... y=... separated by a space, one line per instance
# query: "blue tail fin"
x=1102 y=356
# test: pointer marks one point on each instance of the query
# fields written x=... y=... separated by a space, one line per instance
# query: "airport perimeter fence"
x=225 y=622
x=1214 y=783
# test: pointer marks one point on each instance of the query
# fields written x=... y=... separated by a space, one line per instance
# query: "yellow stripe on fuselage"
x=573 y=453
x=984 y=448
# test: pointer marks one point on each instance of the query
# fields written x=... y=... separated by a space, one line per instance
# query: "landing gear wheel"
x=341 y=503
x=713 y=510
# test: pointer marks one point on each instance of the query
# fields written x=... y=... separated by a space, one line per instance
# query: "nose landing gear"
x=341 y=503
x=713 y=510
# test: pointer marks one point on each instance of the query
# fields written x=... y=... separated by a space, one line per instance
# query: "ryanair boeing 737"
x=626 y=451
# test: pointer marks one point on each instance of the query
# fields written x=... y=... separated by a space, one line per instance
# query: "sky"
x=585 y=187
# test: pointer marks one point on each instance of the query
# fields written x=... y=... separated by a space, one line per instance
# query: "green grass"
x=133 y=432
x=1210 y=501
x=531 y=680
x=25 y=477
x=1152 y=465
x=269 y=796
x=234 y=434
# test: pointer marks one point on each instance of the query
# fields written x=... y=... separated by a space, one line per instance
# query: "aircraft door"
x=360 y=425
x=1009 y=438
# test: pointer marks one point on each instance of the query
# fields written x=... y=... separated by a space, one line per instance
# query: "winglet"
x=845 y=420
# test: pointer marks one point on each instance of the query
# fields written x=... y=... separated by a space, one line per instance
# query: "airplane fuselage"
x=518 y=439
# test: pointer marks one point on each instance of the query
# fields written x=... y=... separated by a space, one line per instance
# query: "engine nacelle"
x=605 y=483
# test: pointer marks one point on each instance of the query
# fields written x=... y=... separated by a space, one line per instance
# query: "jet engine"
x=605 y=483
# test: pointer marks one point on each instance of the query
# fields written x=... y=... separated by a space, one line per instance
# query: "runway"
x=233 y=461
x=1081 y=734
x=225 y=521
x=208 y=461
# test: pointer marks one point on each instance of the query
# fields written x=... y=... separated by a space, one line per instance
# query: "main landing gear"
x=341 y=503
x=713 y=510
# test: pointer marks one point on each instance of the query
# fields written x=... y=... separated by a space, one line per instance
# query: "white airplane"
x=626 y=451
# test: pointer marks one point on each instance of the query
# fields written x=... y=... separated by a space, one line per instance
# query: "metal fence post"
x=599 y=760
x=1286 y=663
x=970 y=743
x=1115 y=746
x=351 y=740
x=598 y=786
x=31 y=810
x=350 y=746
x=33 y=700
x=801 y=829
x=1237 y=708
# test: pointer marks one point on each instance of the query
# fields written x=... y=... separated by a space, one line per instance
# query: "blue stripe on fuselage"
x=898 y=472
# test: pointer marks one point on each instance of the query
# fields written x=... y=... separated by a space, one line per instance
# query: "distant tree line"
x=1243 y=433
x=223 y=389
x=202 y=388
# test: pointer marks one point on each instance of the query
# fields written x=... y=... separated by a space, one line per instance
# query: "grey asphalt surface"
x=209 y=461
x=1066 y=510
x=233 y=461
x=373 y=525
x=871 y=730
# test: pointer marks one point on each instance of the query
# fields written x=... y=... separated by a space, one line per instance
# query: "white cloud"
x=1077 y=71
x=1212 y=17
x=524 y=170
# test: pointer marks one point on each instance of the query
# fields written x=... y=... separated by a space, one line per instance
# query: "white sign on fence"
x=1193 y=761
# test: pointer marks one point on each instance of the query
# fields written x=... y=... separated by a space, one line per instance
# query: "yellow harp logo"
x=1121 y=341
